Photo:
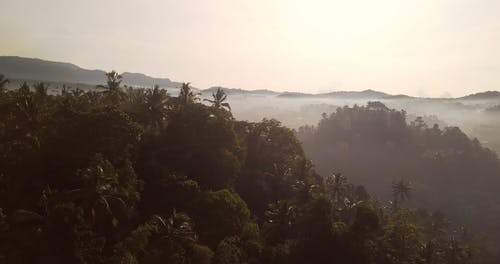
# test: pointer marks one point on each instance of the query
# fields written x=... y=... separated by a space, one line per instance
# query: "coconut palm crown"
x=219 y=97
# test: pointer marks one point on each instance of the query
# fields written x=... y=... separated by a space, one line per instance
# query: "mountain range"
x=20 y=69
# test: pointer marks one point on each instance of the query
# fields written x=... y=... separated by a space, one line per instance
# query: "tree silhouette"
x=156 y=101
x=400 y=192
x=113 y=87
x=41 y=89
x=177 y=228
x=27 y=106
x=280 y=218
x=218 y=99
x=3 y=82
x=113 y=82
x=337 y=185
x=186 y=95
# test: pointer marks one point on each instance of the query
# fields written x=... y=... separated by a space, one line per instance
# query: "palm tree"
x=27 y=106
x=135 y=103
x=100 y=195
x=186 y=95
x=113 y=87
x=41 y=89
x=3 y=82
x=156 y=101
x=400 y=192
x=304 y=190
x=24 y=89
x=219 y=98
x=280 y=218
x=178 y=228
x=113 y=82
x=337 y=185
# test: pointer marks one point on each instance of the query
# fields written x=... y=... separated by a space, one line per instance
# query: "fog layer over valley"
x=475 y=115
x=440 y=145
x=250 y=132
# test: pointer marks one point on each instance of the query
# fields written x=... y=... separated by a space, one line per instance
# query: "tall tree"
x=41 y=89
x=400 y=192
x=337 y=185
x=156 y=101
x=218 y=99
x=186 y=95
x=3 y=82
x=113 y=82
x=113 y=87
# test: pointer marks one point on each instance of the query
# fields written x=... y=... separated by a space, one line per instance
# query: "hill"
x=376 y=145
x=19 y=68
x=138 y=176
x=482 y=96
x=366 y=94
x=239 y=91
x=356 y=95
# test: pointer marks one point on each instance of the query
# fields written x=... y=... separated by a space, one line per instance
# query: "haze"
x=424 y=48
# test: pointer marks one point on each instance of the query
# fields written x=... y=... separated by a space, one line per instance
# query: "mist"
x=476 y=117
x=250 y=132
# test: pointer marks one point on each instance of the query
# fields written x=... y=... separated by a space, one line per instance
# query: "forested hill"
x=138 y=176
x=376 y=145
x=49 y=71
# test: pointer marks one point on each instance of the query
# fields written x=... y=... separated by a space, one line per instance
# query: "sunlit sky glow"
x=424 y=47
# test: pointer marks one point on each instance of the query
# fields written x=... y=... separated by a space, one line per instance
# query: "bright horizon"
x=422 y=48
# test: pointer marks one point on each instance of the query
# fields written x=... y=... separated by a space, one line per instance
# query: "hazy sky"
x=420 y=47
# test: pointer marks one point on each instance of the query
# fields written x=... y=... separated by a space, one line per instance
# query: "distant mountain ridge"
x=483 y=95
x=366 y=94
x=32 y=69
x=50 y=71
x=239 y=91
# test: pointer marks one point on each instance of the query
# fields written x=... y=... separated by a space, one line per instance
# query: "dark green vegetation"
x=375 y=145
x=138 y=176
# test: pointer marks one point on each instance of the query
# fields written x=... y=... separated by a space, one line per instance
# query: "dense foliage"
x=376 y=145
x=121 y=175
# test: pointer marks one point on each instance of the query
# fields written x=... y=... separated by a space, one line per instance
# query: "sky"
x=421 y=47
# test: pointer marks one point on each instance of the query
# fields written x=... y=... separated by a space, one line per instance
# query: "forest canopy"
x=376 y=145
x=124 y=175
